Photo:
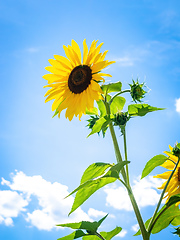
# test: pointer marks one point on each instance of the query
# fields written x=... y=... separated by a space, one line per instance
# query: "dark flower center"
x=80 y=78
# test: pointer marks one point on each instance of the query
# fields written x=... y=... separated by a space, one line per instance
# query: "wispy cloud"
x=32 y=50
x=177 y=104
x=144 y=190
x=125 y=61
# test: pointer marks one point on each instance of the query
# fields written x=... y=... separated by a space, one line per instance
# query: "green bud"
x=120 y=118
x=137 y=92
x=176 y=151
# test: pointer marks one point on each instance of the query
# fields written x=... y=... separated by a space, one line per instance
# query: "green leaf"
x=166 y=217
x=86 y=189
x=74 y=235
x=111 y=234
x=102 y=108
x=141 y=109
x=95 y=170
x=173 y=199
x=86 y=225
x=117 y=104
x=112 y=87
x=152 y=163
x=176 y=221
x=99 y=124
x=90 y=237
x=94 y=111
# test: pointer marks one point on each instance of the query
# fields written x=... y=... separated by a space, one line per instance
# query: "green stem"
x=99 y=235
x=161 y=197
x=119 y=159
x=115 y=142
x=125 y=153
x=145 y=234
x=119 y=94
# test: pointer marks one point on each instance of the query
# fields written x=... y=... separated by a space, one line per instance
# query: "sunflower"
x=173 y=187
x=74 y=83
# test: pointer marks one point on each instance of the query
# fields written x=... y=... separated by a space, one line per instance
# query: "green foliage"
x=94 y=111
x=152 y=163
x=73 y=235
x=111 y=234
x=117 y=104
x=173 y=199
x=100 y=124
x=141 y=109
x=168 y=214
x=87 y=188
x=177 y=232
x=85 y=225
x=112 y=87
x=95 y=170
x=106 y=235
x=166 y=218
x=92 y=121
x=102 y=108
x=90 y=227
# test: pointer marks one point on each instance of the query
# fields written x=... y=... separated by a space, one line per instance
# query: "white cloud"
x=52 y=208
x=96 y=213
x=177 y=104
x=122 y=233
x=144 y=190
x=11 y=205
x=135 y=227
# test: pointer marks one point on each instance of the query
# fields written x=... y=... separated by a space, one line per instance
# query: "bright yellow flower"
x=74 y=83
x=174 y=184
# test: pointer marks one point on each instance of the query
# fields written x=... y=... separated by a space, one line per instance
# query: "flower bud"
x=137 y=92
x=176 y=151
x=120 y=118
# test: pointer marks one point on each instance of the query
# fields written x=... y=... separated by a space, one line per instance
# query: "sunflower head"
x=74 y=79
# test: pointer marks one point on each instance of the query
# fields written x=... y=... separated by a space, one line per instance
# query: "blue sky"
x=42 y=159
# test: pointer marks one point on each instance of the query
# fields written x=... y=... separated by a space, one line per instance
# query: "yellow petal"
x=171 y=156
x=164 y=175
x=58 y=65
x=56 y=71
x=53 y=95
x=95 y=86
x=103 y=55
x=56 y=103
x=69 y=55
x=76 y=49
x=85 y=51
x=171 y=148
x=64 y=61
